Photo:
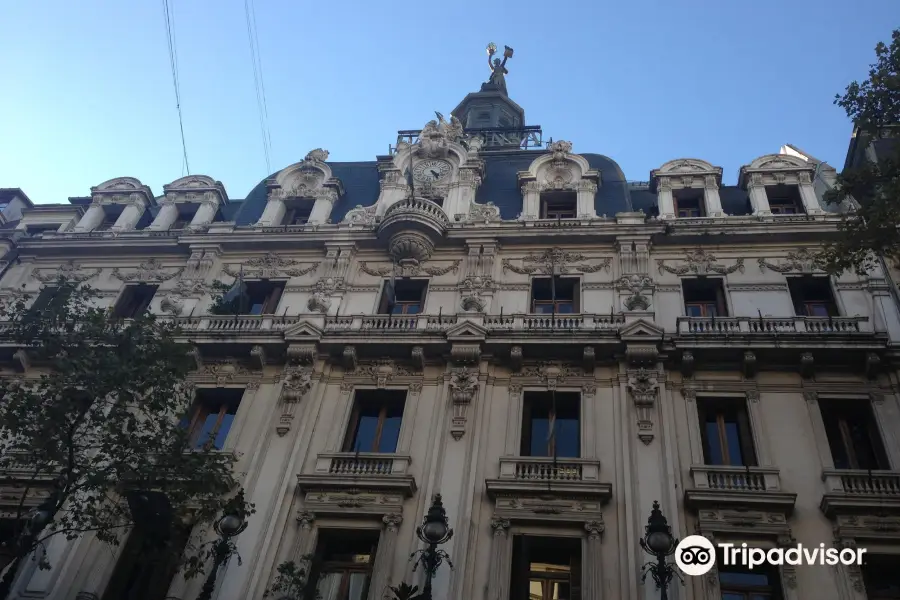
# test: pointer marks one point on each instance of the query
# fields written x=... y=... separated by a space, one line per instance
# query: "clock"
x=432 y=171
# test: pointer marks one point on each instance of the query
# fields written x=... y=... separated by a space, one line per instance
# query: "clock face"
x=432 y=171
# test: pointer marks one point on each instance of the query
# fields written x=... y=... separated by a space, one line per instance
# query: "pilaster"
x=384 y=557
x=759 y=201
x=664 y=198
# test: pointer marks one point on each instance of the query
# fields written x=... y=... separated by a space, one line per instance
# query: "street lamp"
x=231 y=524
x=434 y=530
x=659 y=542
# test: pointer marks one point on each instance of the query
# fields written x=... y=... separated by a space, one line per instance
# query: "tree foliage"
x=871 y=227
x=96 y=419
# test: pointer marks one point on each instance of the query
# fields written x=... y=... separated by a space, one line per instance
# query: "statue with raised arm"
x=498 y=68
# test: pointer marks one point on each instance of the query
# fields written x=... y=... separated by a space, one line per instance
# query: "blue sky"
x=88 y=93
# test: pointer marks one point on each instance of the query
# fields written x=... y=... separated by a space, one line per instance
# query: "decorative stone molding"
x=554 y=260
x=463 y=387
x=392 y=521
x=465 y=354
x=557 y=170
x=807 y=364
x=484 y=213
x=361 y=216
x=319 y=303
x=515 y=359
x=417 y=356
x=409 y=269
x=410 y=245
x=270 y=266
x=550 y=373
x=381 y=371
x=749 y=364
x=258 y=356
x=436 y=137
x=688 y=364
x=500 y=527
x=594 y=528
x=687 y=173
x=68 y=270
x=700 y=262
x=301 y=354
x=798 y=261
x=589 y=359
x=636 y=284
x=644 y=386
x=149 y=270
x=297 y=381
x=224 y=372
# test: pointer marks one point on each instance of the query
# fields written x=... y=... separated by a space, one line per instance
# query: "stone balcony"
x=526 y=323
x=858 y=491
x=417 y=324
x=360 y=471
x=738 y=487
x=703 y=327
x=544 y=475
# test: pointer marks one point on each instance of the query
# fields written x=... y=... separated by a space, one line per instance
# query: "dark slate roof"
x=361 y=186
x=735 y=201
x=501 y=185
x=644 y=200
x=613 y=195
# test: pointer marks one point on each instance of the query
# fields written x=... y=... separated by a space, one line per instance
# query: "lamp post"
x=231 y=524
x=434 y=530
x=659 y=542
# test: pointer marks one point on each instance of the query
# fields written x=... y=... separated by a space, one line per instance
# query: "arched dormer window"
x=687 y=188
x=303 y=192
x=780 y=184
x=559 y=185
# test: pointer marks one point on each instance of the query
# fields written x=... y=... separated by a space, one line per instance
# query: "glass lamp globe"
x=230 y=525
x=434 y=531
x=659 y=541
x=40 y=518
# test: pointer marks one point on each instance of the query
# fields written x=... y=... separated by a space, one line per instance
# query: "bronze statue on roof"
x=498 y=67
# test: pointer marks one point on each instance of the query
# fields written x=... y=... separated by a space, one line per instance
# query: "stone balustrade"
x=715 y=326
x=545 y=468
x=370 y=464
x=735 y=478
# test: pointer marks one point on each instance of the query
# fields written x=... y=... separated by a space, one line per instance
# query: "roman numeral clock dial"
x=432 y=171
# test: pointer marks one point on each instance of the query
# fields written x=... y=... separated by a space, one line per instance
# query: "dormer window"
x=688 y=203
x=784 y=200
x=559 y=205
x=297 y=212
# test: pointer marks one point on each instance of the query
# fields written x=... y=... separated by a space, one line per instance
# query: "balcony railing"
x=544 y=468
x=389 y=323
x=714 y=326
x=735 y=479
x=362 y=464
x=582 y=322
x=236 y=323
x=852 y=482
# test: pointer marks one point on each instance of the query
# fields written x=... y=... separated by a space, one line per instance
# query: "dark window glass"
x=375 y=421
x=881 y=574
x=211 y=417
x=784 y=200
x=550 y=424
x=545 y=568
x=408 y=297
x=559 y=205
x=298 y=214
x=704 y=297
x=342 y=565
x=688 y=203
x=262 y=297
x=853 y=435
x=812 y=296
x=762 y=583
x=134 y=301
x=559 y=295
x=725 y=429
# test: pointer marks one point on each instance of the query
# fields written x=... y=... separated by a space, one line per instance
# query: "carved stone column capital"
x=392 y=521
x=500 y=526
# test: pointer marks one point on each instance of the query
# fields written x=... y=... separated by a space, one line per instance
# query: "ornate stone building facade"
x=562 y=347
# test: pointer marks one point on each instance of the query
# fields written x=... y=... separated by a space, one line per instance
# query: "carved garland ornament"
x=151 y=270
x=409 y=269
x=463 y=387
x=550 y=373
x=271 y=265
x=68 y=270
x=381 y=371
x=800 y=261
x=297 y=382
x=554 y=260
x=700 y=262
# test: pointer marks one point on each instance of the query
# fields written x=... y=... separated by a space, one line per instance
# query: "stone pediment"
x=641 y=331
x=303 y=331
x=466 y=331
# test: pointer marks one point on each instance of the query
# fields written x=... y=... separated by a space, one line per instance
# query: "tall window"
x=881 y=574
x=725 y=432
x=743 y=584
x=853 y=435
x=550 y=424
x=704 y=297
x=407 y=297
x=688 y=203
x=375 y=421
x=559 y=205
x=558 y=295
x=297 y=213
x=545 y=568
x=212 y=415
x=812 y=296
x=785 y=200
x=263 y=297
x=134 y=301
x=342 y=564
x=44 y=298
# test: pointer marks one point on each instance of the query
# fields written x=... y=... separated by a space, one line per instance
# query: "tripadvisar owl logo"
x=695 y=555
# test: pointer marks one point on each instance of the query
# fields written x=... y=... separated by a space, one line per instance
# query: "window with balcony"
x=212 y=415
x=853 y=435
x=704 y=297
x=297 y=212
x=725 y=432
x=375 y=421
x=559 y=295
x=559 y=205
x=342 y=564
x=812 y=297
x=881 y=575
x=688 y=203
x=262 y=297
x=761 y=583
x=403 y=297
x=785 y=200
x=134 y=301
x=550 y=424
x=545 y=568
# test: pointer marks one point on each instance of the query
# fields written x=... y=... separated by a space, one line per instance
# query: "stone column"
x=168 y=214
x=130 y=215
x=321 y=210
x=501 y=561
x=384 y=556
x=808 y=195
x=531 y=200
x=818 y=425
x=664 y=199
x=586 y=190
x=206 y=212
x=273 y=215
x=592 y=562
x=711 y=196
x=91 y=219
x=758 y=199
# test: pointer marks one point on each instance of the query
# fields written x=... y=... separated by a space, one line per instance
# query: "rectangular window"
x=298 y=214
x=881 y=574
x=762 y=583
x=560 y=295
x=725 y=433
x=545 y=568
x=212 y=415
x=812 y=296
x=375 y=421
x=550 y=424
x=134 y=301
x=342 y=564
x=785 y=200
x=853 y=435
x=688 y=203
x=406 y=297
x=262 y=297
x=704 y=297
x=559 y=205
